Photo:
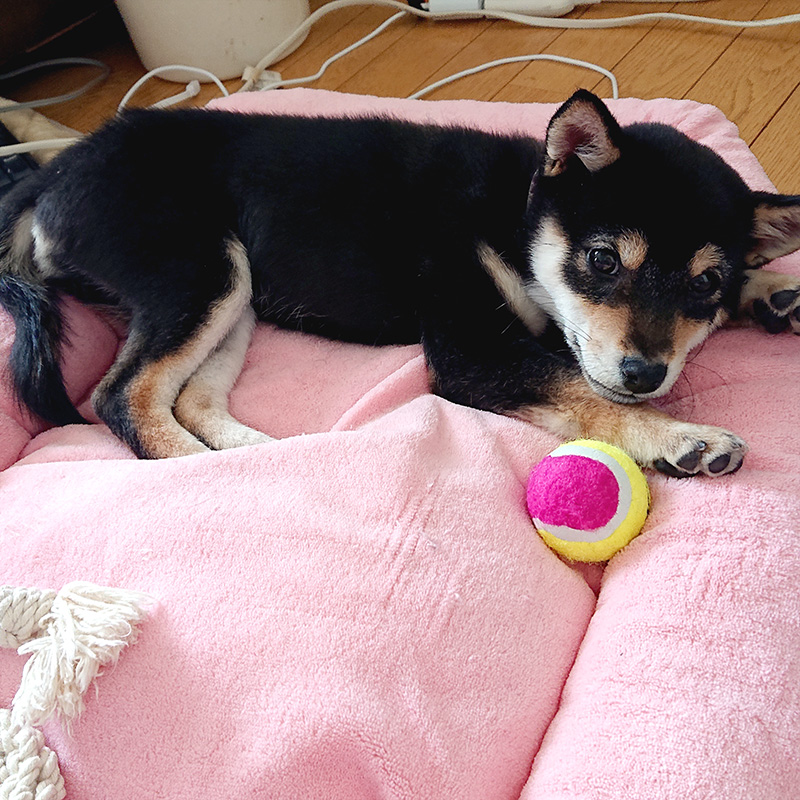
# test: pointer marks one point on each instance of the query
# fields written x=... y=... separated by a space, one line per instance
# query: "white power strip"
x=539 y=8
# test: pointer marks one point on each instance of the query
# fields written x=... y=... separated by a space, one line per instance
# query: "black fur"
x=35 y=365
x=681 y=193
x=34 y=307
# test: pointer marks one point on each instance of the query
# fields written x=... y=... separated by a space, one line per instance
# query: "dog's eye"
x=604 y=260
x=705 y=283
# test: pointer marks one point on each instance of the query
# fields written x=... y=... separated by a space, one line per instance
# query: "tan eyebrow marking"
x=632 y=249
x=707 y=257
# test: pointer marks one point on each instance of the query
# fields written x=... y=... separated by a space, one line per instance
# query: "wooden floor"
x=753 y=76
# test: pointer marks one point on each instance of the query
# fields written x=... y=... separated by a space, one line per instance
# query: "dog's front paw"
x=772 y=299
x=687 y=450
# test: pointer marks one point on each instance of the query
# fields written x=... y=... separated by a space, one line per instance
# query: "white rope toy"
x=70 y=636
x=28 y=769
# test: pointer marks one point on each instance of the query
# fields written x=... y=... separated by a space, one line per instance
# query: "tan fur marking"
x=761 y=284
x=153 y=391
x=510 y=286
x=776 y=231
x=707 y=257
x=150 y=399
x=609 y=325
x=202 y=406
x=632 y=249
x=688 y=333
x=645 y=433
x=16 y=249
x=581 y=413
x=553 y=167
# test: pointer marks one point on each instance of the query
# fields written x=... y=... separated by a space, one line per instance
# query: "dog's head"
x=639 y=241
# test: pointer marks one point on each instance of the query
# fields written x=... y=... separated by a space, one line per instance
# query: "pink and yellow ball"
x=588 y=499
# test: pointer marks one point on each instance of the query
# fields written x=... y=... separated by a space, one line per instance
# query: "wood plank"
x=551 y=82
x=670 y=58
x=500 y=39
x=408 y=63
x=754 y=76
x=306 y=61
x=750 y=75
x=320 y=37
x=777 y=149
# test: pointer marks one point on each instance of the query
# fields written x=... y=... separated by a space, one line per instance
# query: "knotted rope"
x=28 y=769
x=20 y=613
x=70 y=635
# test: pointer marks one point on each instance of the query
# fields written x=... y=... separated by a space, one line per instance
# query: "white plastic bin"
x=222 y=36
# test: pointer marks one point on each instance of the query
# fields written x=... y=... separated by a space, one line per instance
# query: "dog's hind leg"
x=170 y=338
x=202 y=406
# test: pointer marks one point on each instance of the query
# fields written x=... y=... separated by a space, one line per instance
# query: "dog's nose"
x=640 y=376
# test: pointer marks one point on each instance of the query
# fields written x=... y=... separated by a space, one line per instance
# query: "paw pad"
x=782 y=299
x=719 y=464
x=771 y=321
x=718 y=452
x=773 y=300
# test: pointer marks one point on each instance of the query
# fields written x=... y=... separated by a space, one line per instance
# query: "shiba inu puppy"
x=562 y=281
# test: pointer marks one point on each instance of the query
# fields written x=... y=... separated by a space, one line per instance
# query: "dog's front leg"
x=483 y=353
x=651 y=437
x=515 y=376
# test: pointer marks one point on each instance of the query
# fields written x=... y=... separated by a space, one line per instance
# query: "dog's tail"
x=34 y=307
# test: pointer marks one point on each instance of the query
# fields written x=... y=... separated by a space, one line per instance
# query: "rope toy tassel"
x=85 y=629
x=70 y=636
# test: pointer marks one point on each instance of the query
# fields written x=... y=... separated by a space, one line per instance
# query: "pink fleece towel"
x=362 y=610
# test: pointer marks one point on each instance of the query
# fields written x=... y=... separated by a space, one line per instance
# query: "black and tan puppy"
x=562 y=281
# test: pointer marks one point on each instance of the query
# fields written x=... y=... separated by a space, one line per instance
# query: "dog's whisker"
x=690 y=394
x=566 y=324
x=571 y=326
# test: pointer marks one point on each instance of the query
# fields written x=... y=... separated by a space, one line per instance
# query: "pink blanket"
x=362 y=610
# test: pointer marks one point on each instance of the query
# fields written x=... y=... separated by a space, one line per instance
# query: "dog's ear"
x=776 y=227
x=582 y=128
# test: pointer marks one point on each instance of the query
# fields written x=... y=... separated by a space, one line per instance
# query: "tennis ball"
x=588 y=499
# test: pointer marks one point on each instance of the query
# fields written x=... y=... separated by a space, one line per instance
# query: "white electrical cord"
x=105 y=71
x=282 y=84
x=252 y=76
x=39 y=144
x=517 y=59
x=192 y=90
x=188 y=92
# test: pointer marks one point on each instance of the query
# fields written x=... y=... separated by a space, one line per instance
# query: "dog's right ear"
x=582 y=128
x=776 y=227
